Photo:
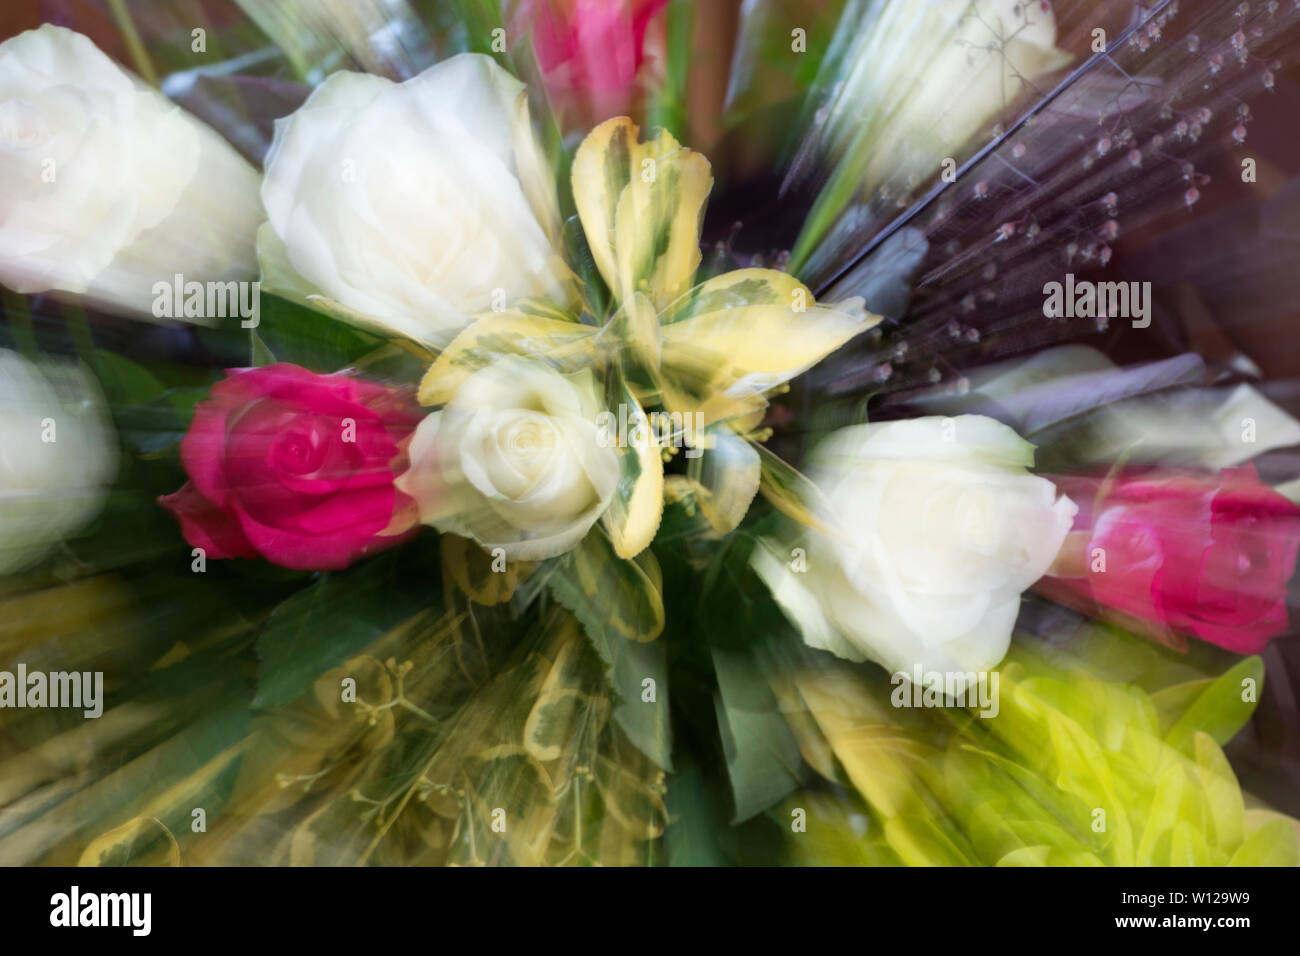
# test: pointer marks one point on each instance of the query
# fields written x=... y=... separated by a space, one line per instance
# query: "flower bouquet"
x=609 y=432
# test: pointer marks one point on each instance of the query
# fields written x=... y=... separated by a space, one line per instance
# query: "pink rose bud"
x=296 y=467
x=1209 y=556
x=590 y=50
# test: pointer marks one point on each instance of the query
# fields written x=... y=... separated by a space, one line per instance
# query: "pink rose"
x=295 y=467
x=592 y=48
x=1210 y=557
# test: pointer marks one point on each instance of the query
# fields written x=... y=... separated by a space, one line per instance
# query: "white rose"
x=938 y=529
x=105 y=186
x=923 y=78
x=515 y=461
x=981 y=56
x=58 y=454
x=415 y=204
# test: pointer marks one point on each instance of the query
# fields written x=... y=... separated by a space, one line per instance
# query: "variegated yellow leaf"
x=570 y=714
x=658 y=220
x=633 y=515
x=478 y=574
x=637 y=326
x=793 y=494
x=695 y=382
x=545 y=309
x=565 y=345
x=142 y=841
x=762 y=346
x=729 y=475
x=739 y=288
x=629 y=594
x=602 y=167
x=881 y=760
x=641 y=206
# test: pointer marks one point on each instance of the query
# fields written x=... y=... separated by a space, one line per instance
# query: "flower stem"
x=134 y=45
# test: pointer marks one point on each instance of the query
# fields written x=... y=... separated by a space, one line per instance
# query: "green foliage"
x=339 y=615
x=620 y=607
x=763 y=760
x=293 y=333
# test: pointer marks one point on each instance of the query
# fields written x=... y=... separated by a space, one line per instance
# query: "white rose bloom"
x=969 y=60
x=58 y=455
x=414 y=205
x=921 y=79
x=106 y=187
x=515 y=461
x=938 y=529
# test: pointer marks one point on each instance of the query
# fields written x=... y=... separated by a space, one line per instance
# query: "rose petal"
x=206 y=526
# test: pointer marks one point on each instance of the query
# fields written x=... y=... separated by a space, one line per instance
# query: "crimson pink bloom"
x=1210 y=557
x=593 y=48
x=295 y=467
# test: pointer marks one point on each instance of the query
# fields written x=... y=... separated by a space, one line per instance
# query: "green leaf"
x=124 y=382
x=335 y=618
x=1036 y=856
x=1187 y=847
x=699 y=834
x=620 y=606
x=763 y=759
x=667 y=100
x=1172 y=702
x=297 y=334
x=1220 y=710
x=597 y=298
x=259 y=354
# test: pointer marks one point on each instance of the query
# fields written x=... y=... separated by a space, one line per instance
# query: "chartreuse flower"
x=682 y=364
x=1072 y=770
